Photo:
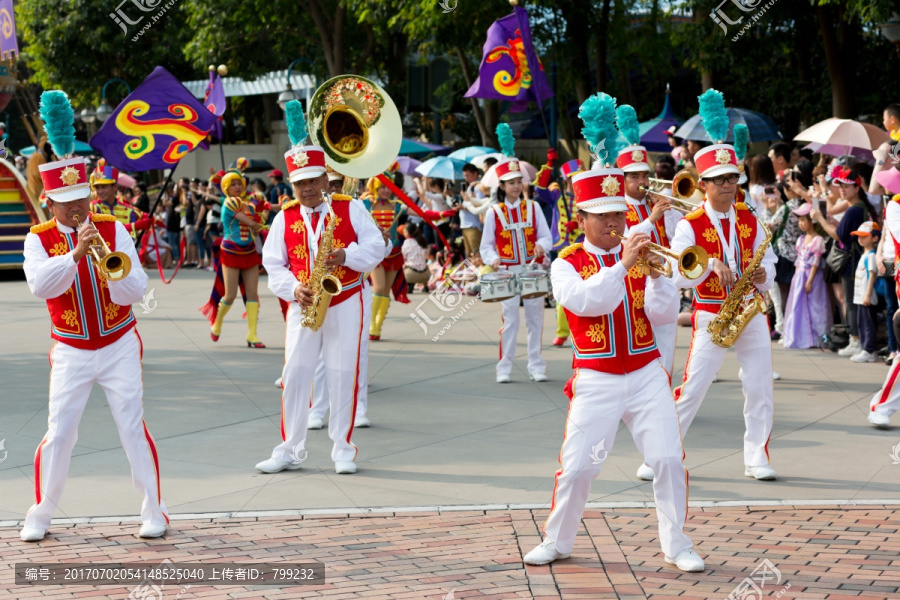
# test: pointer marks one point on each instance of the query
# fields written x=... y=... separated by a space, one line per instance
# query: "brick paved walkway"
x=819 y=552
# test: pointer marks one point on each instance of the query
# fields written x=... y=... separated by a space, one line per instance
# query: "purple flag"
x=510 y=69
x=214 y=99
x=9 y=45
x=154 y=127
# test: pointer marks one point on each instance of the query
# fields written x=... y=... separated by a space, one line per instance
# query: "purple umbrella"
x=406 y=165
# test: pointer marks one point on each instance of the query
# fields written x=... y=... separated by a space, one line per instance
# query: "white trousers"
x=319 y=402
x=887 y=400
x=339 y=343
x=534 y=321
x=754 y=353
x=73 y=372
x=665 y=342
x=643 y=400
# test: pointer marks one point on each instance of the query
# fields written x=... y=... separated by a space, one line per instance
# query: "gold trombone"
x=682 y=188
x=113 y=266
x=691 y=262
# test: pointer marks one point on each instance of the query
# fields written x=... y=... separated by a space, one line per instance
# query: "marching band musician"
x=516 y=233
x=94 y=329
x=104 y=181
x=731 y=235
x=642 y=217
x=564 y=227
x=289 y=256
x=613 y=309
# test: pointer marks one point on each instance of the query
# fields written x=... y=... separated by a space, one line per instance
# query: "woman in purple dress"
x=808 y=311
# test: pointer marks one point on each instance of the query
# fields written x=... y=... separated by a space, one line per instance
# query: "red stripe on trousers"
x=155 y=458
x=356 y=384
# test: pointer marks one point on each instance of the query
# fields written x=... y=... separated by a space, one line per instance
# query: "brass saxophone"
x=324 y=285
x=735 y=314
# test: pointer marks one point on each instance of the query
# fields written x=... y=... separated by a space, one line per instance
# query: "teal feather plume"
x=627 y=122
x=714 y=115
x=599 y=115
x=59 y=122
x=506 y=139
x=741 y=138
x=296 y=122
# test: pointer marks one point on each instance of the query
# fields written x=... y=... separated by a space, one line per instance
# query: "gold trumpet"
x=113 y=266
x=691 y=262
x=682 y=188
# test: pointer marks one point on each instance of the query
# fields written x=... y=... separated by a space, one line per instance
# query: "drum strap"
x=524 y=224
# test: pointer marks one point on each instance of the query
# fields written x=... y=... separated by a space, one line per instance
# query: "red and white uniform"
x=887 y=400
x=638 y=220
x=742 y=234
x=288 y=256
x=612 y=314
x=96 y=342
x=511 y=231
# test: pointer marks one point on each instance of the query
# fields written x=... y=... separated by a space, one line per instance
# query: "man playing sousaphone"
x=89 y=294
x=293 y=259
x=738 y=246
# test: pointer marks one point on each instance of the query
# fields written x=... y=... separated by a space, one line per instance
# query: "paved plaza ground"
x=455 y=473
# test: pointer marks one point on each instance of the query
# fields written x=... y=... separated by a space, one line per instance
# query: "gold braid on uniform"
x=569 y=250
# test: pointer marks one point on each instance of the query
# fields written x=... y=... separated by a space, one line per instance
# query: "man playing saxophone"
x=737 y=244
x=293 y=257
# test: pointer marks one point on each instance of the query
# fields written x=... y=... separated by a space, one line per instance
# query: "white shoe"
x=644 y=472
x=273 y=465
x=278 y=383
x=863 y=357
x=152 y=530
x=776 y=375
x=32 y=534
x=688 y=561
x=761 y=472
x=345 y=468
x=315 y=423
x=537 y=377
x=879 y=420
x=362 y=421
x=854 y=347
x=545 y=553
x=502 y=378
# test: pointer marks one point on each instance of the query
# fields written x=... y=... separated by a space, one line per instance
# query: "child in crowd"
x=864 y=294
x=808 y=311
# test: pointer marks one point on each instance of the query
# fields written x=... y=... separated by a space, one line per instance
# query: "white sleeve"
x=47 y=277
x=597 y=295
x=543 y=230
x=282 y=281
x=644 y=226
x=368 y=250
x=768 y=262
x=662 y=301
x=684 y=237
x=488 y=249
x=892 y=219
x=131 y=289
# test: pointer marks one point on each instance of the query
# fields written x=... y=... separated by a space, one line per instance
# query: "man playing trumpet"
x=94 y=328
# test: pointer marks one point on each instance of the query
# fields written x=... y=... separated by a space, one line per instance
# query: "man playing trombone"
x=79 y=263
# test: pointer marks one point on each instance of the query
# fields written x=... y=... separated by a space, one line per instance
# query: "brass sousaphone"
x=357 y=124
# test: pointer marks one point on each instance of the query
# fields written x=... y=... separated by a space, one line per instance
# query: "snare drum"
x=496 y=287
x=534 y=284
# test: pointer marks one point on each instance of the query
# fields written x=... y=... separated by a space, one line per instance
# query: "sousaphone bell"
x=357 y=124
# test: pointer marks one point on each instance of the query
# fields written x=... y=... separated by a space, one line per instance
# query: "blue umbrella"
x=410 y=147
x=442 y=167
x=81 y=149
x=471 y=152
x=762 y=128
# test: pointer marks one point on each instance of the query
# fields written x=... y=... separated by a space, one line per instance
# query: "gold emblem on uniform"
x=637 y=156
x=610 y=186
x=300 y=159
x=513 y=165
x=69 y=176
x=722 y=156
